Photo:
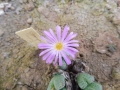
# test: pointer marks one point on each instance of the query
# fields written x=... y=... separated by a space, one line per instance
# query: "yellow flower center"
x=59 y=46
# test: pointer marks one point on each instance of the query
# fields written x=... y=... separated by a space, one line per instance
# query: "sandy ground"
x=97 y=23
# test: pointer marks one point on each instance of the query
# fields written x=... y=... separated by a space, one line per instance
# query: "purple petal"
x=46 y=55
x=70 y=36
x=48 y=35
x=50 y=61
x=45 y=51
x=56 y=58
x=72 y=45
x=68 y=61
x=50 y=58
x=71 y=53
x=72 y=49
x=60 y=60
x=64 y=33
x=52 y=33
x=44 y=46
x=74 y=53
x=58 y=30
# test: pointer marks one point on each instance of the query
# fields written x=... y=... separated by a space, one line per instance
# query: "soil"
x=97 y=23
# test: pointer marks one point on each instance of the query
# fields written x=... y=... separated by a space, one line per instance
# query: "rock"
x=12 y=8
x=116 y=73
x=21 y=1
x=4 y=7
x=17 y=11
x=102 y=51
x=40 y=9
x=111 y=48
x=63 y=1
x=46 y=3
x=7 y=6
x=30 y=20
x=2 y=12
x=87 y=69
x=108 y=6
x=1 y=32
x=30 y=6
x=44 y=11
x=20 y=83
x=97 y=9
x=112 y=2
x=116 y=18
x=56 y=9
x=1 y=6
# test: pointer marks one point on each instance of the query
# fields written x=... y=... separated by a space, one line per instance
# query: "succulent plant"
x=86 y=82
x=84 y=79
x=93 y=86
x=57 y=83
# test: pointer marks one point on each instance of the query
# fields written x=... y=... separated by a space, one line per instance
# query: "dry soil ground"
x=97 y=23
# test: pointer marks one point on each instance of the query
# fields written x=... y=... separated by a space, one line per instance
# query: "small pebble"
x=116 y=73
x=116 y=18
x=12 y=8
x=44 y=11
x=2 y=12
x=86 y=67
x=21 y=1
x=40 y=9
x=111 y=48
x=63 y=1
x=17 y=11
x=102 y=51
x=30 y=6
x=46 y=3
x=108 y=6
x=4 y=7
x=30 y=20
x=19 y=83
x=7 y=6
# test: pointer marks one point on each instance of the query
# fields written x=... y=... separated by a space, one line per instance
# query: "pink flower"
x=58 y=46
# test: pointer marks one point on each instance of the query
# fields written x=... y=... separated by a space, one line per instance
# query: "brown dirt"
x=20 y=66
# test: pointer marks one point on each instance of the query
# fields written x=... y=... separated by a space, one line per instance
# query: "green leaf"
x=64 y=65
x=84 y=79
x=94 y=86
x=59 y=82
x=51 y=85
x=56 y=83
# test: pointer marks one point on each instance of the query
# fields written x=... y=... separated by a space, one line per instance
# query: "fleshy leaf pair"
x=57 y=83
x=93 y=86
x=86 y=82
